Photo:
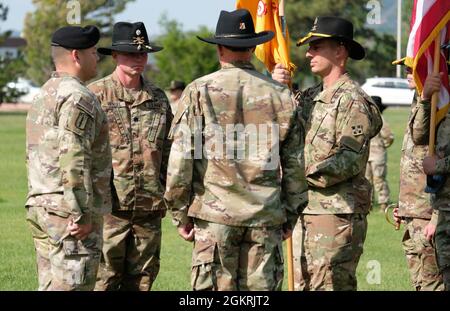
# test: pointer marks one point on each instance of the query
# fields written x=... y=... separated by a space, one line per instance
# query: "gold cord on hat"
x=311 y=34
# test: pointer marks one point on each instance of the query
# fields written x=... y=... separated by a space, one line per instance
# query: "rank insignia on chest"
x=357 y=130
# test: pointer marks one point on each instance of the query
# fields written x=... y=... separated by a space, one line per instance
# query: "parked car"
x=393 y=91
x=26 y=87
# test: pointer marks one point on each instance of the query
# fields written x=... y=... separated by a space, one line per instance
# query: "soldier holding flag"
x=414 y=207
x=430 y=29
x=439 y=164
x=340 y=121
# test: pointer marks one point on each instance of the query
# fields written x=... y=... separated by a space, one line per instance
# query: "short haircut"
x=58 y=53
x=339 y=42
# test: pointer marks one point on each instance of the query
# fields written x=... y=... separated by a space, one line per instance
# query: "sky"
x=190 y=13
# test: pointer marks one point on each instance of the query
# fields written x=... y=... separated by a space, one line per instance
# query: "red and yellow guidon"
x=262 y=8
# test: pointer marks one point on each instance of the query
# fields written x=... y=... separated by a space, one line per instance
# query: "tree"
x=52 y=14
x=10 y=67
x=184 y=56
x=380 y=47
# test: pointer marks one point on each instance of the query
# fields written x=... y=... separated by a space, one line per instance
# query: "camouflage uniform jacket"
x=340 y=121
x=441 y=200
x=68 y=152
x=221 y=186
x=138 y=127
x=413 y=201
x=380 y=143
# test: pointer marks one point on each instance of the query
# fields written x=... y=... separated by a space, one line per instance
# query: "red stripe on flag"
x=422 y=65
x=429 y=21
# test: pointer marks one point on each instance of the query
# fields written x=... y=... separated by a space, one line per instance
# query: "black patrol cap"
x=75 y=37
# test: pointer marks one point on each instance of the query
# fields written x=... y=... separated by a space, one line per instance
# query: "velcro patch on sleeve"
x=351 y=143
x=85 y=105
x=81 y=117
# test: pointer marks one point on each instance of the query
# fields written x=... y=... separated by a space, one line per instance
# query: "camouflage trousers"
x=326 y=250
x=421 y=257
x=376 y=174
x=131 y=251
x=443 y=246
x=63 y=262
x=236 y=258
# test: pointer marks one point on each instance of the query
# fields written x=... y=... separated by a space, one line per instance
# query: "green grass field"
x=18 y=271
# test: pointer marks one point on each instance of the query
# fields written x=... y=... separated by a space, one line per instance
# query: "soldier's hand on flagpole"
x=281 y=74
x=186 y=231
x=429 y=164
x=432 y=85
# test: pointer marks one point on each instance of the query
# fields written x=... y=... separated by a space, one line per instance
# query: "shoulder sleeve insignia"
x=357 y=130
x=81 y=116
x=351 y=143
x=81 y=121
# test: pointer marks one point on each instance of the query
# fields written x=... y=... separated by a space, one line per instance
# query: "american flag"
x=430 y=21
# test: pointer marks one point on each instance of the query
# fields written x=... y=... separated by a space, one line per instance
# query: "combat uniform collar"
x=239 y=64
x=326 y=95
x=121 y=93
x=61 y=74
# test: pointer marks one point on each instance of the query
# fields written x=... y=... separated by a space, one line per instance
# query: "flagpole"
x=282 y=19
x=434 y=97
x=290 y=257
x=399 y=36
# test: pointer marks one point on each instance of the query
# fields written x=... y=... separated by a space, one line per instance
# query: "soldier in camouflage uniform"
x=376 y=169
x=340 y=121
x=176 y=88
x=228 y=195
x=69 y=165
x=414 y=207
x=139 y=117
x=440 y=164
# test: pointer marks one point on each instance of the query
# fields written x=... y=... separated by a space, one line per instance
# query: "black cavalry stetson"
x=130 y=38
x=75 y=37
x=236 y=29
x=334 y=27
